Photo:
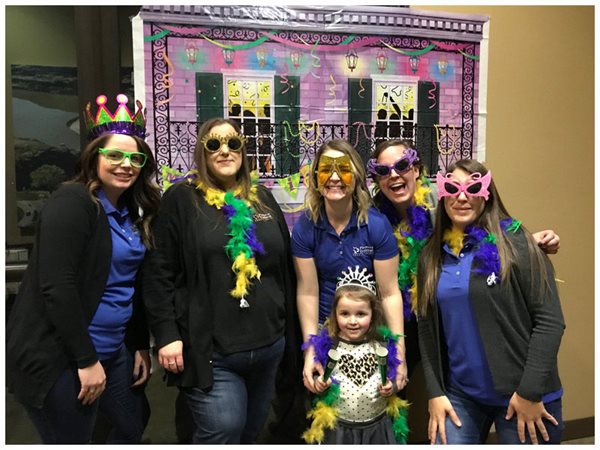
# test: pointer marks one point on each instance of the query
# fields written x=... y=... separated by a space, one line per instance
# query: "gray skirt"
x=376 y=431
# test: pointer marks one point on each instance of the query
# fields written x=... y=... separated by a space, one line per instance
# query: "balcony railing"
x=280 y=149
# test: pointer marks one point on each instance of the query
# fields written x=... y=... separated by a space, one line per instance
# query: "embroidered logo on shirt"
x=262 y=217
x=363 y=250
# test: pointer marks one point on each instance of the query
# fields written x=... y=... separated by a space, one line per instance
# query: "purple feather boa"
x=419 y=222
x=322 y=343
x=486 y=260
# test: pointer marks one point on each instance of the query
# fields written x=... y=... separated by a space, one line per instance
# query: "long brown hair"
x=357 y=293
x=144 y=193
x=313 y=200
x=430 y=261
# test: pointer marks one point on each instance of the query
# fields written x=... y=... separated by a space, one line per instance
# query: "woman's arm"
x=67 y=224
x=386 y=274
x=307 y=299
x=161 y=267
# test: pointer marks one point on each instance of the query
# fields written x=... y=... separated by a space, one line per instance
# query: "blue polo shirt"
x=332 y=253
x=468 y=369
x=107 y=328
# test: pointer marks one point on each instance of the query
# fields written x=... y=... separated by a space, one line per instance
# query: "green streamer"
x=156 y=36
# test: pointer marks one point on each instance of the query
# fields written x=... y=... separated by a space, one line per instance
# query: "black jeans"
x=64 y=420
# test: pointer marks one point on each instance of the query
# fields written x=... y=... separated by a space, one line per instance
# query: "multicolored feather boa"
x=486 y=260
x=243 y=243
x=411 y=235
x=324 y=413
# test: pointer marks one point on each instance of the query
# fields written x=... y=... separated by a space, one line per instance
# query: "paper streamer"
x=466 y=55
x=450 y=47
x=330 y=48
x=361 y=125
x=431 y=95
x=332 y=90
x=165 y=79
x=410 y=53
x=284 y=79
x=362 y=89
x=156 y=36
x=245 y=46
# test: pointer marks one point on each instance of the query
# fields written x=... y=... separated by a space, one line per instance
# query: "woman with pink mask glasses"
x=490 y=321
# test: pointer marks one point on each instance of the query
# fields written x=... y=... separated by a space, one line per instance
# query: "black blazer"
x=58 y=297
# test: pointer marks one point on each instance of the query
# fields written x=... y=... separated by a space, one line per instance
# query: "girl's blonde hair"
x=359 y=294
x=313 y=200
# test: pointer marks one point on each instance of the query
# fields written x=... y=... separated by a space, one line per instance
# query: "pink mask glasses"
x=477 y=187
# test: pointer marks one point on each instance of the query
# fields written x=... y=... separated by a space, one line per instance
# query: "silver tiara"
x=357 y=277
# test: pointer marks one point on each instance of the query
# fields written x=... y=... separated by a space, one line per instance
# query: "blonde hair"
x=313 y=200
x=359 y=294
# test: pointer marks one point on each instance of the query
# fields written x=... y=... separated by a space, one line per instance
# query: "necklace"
x=411 y=235
x=324 y=412
x=243 y=243
x=486 y=260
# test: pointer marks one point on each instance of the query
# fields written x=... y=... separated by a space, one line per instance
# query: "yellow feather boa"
x=454 y=237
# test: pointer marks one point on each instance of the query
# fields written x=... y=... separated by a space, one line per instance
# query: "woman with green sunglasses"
x=77 y=342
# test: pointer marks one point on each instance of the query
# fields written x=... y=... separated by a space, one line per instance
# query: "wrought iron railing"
x=280 y=149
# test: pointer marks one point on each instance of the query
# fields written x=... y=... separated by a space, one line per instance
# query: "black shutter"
x=360 y=109
x=209 y=96
x=428 y=115
x=287 y=147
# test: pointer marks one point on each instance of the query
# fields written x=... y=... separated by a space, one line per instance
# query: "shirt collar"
x=108 y=206
x=323 y=221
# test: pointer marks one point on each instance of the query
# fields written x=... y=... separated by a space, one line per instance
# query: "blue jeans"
x=235 y=409
x=64 y=420
x=477 y=419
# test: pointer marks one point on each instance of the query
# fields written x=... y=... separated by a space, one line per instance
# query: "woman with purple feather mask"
x=490 y=321
x=220 y=290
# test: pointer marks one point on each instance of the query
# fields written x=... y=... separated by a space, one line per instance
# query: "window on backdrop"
x=249 y=102
x=395 y=109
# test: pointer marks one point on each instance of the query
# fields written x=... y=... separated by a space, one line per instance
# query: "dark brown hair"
x=357 y=293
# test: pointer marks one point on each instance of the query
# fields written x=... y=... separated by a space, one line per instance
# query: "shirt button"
x=462 y=255
x=341 y=252
x=458 y=272
x=129 y=238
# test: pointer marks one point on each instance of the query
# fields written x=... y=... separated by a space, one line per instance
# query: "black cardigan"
x=187 y=280
x=67 y=272
x=521 y=333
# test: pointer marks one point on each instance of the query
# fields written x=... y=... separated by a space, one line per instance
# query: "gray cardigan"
x=521 y=333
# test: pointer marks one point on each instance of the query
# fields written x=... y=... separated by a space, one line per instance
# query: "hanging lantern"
x=296 y=57
x=261 y=57
x=351 y=59
x=381 y=60
x=413 y=61
x=443 y=66
x=191 y=51
x=228 y=54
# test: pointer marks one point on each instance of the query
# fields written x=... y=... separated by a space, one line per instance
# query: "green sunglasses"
x=116 y=156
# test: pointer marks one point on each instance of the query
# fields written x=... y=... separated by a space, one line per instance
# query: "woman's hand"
x=387 y=389
x=548 y=241
x=171 y=357
x=439 y=408
x=141 y=367
x=93 y=382
x=530 y=414
x=310 y=367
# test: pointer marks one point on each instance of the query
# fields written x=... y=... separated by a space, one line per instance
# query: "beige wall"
x=540 y=148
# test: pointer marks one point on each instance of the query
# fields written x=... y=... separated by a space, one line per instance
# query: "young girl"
x=351 y=404
x=490 y=321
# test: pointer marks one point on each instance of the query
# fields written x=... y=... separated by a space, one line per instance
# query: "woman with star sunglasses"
x=220 y=291
x=77 y=341
x=490 y=321
x=340 y=228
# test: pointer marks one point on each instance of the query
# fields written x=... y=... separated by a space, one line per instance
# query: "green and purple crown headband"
x=121 y=122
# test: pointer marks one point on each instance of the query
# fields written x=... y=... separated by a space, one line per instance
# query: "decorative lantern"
x=296 y=57
x=381 y=59
x=191 y=51
x=228 y=54
x=351 y=59
x=443 y=66
x=413 y=61
x=261 y=57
